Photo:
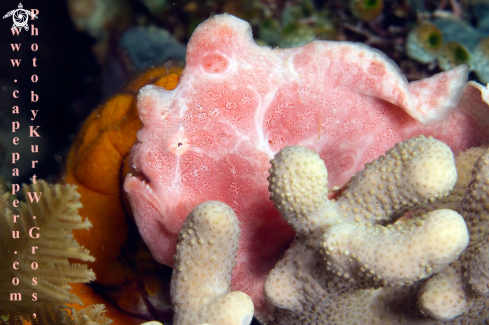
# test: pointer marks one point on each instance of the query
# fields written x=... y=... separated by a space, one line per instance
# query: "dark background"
x=68 y=74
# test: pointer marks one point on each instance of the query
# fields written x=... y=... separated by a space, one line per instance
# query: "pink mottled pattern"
x=238 y=104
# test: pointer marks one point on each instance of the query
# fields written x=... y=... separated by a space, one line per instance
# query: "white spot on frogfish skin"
x=178 y=143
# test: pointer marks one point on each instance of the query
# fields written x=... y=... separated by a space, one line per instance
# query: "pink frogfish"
x=238 y=104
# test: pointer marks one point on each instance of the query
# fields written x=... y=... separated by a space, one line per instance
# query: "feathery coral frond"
x=91 y=315
x=43 y=237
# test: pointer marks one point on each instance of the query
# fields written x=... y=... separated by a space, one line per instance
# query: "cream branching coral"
x=201 y=282
x=359 y=259
x=41 y=255
x=461 y=288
